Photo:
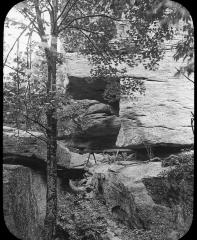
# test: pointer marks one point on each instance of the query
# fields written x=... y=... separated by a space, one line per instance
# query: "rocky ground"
x=116 y=199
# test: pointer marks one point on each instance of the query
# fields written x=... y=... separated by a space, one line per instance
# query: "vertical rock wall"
x=24 y=199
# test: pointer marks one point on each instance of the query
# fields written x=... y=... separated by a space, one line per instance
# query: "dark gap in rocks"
x=94 y=142
x=164 y=151
x=159 y=151
x=32 y=162
x=40 y=165
x=84 y=88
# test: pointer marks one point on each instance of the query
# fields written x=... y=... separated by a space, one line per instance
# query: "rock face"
x=163 y=115
x=24 y=206
x=28 y=144
x=98 y=126
x=138 y=196
x=160 y=118
x=26 y=147
x=100 y=129
x=24 y=199
x=135 y=196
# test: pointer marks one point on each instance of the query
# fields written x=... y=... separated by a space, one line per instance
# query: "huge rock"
x=24 y=206
x=97 y=127
x=134 y=195
x=33 y=143
x=24 y=199
x=161 y=117
x=99 y=108
x=141 y=198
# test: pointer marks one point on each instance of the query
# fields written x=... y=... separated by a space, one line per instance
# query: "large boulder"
x=162 y=117
x=32 y=143
x=99 y=108
x=24 y=199
x=97 y=126
x=100 y=124
x=24 y=206
x=159 y=118
x=134 y=195
x=141 y=198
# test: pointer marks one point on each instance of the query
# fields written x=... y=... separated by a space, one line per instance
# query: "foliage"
x=180 y=17
x=181 y=176
x=114 y=157
x=72 y=115
x=97 y=38
x=148 y=24
x=29 y=99
x=13 y=91
x=93 y=30
x=81 y=218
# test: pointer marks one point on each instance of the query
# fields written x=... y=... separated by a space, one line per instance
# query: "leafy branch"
x=88 y=16
x=18 y=39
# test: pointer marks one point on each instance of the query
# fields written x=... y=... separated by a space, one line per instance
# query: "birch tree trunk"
x=51 y=198
x=51 y=55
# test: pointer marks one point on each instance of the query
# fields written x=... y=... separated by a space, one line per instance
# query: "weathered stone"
x=98 y=126
x=28 y=144
x=24 y=199
x=137 y=195
x=99 y=108
x=24 y=205
x=162 y=117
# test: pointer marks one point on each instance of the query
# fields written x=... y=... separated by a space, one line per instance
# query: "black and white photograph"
x=98 y=120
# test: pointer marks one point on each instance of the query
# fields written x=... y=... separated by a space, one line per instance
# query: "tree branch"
x=28 y=15
x=38 y=17
x=88 y=16
x=42 y=139
x=184 y=75
x=17 y=40
x=62 y=12
x=67 y=13
x=90 y=40
x=37 y=122
x=50 y=6
x=80 y=28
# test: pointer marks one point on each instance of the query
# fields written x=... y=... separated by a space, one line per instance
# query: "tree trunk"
x=51 y=198
x=51 y=56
